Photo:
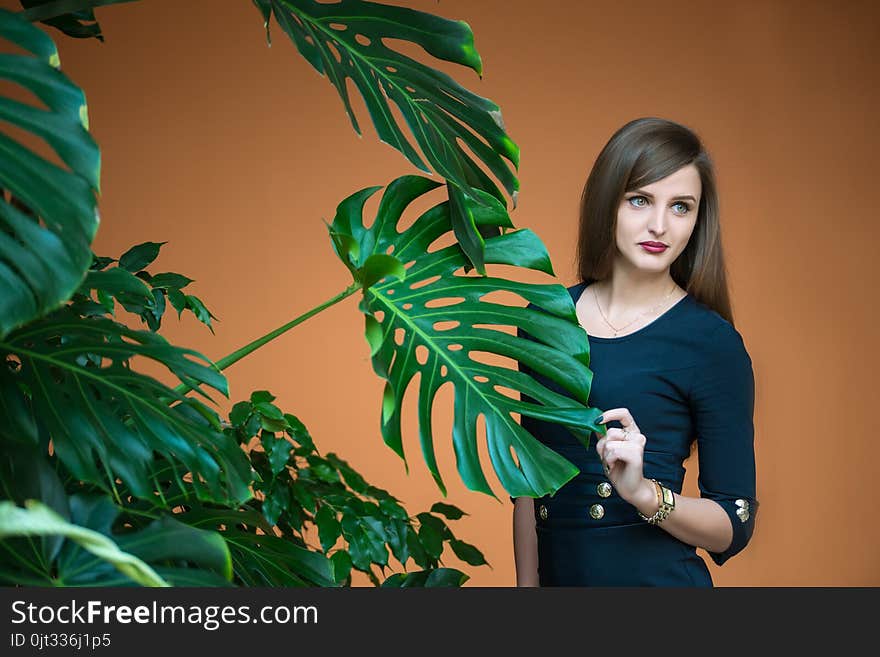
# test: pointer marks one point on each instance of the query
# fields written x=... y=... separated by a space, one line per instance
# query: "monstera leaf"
x=408 y=296
x=48 y=214
x=344 y=40
x=69 y=378
x=92 y=555
x=79 y=23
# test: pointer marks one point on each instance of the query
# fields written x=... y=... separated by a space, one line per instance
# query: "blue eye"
x=633 y=198
x=685 y=207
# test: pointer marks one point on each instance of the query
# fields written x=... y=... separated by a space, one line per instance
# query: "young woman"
x=670 y=372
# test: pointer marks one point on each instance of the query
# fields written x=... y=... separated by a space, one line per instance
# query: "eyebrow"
x=674 y=198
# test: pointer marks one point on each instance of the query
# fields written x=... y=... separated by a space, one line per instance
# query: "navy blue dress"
x=685 y=376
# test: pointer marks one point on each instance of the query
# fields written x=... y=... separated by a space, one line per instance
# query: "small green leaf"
x=171 y=280
x=240 y=413
x=178 y=300
x=467 y=553
x=138 y=257
x=341 y=565
x=258 y=396
x=451 y=512
x=269 y=410
x=329 y=528
x=278 y=451
x=446 y=577
x=379 y=266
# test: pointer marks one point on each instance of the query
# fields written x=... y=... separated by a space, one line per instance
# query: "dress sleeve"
x=722 y=406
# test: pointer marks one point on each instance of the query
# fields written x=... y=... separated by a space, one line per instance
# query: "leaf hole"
x=424 y=282
x=507 y=392
x=446 y=325
x=444 y=302
x=332 y=47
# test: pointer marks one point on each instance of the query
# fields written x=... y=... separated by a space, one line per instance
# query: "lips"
x=653 y=247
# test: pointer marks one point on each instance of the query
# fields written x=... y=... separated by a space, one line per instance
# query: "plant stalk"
x=237 y=355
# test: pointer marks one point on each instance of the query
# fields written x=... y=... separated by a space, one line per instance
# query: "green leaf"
x=435 y=577
x=138 y=257
x=431 y=534
x=396 y=533
x=116 y=282
x=265 y=560
x=379 y=266
x=467 y=553
x=263 y=396
x=277 y=501
x=239 y=413
x=329 y=528
x=323 y=471
x=170 y=280
x=451 y=512
x=36 y=519
x=107 y=422
x=341 y=564
x=435 y=293
x=47 y=230
x=69 y=16
x=167 y=538
x=178 y=300
x=278 y=451
x=446 y=577
x=202 y=314
x=269 y=410
x=438 y=111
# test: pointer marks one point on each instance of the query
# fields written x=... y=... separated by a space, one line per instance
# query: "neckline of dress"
x=583 y=285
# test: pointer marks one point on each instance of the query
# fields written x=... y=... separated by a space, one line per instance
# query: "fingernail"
x=599 y=419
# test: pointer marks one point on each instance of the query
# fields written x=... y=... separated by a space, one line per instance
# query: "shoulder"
x=715 y=336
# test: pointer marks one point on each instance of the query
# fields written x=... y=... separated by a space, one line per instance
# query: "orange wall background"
x=234 y=152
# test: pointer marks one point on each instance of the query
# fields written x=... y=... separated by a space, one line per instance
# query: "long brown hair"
x=640 y=153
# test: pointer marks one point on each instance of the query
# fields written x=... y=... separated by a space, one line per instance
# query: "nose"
x=657 y=223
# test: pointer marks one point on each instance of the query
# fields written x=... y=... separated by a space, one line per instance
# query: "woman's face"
x=663 y=212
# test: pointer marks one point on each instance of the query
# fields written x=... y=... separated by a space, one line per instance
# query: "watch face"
x=668 y=497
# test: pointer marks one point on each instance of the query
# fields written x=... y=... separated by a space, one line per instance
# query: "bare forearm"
x=525 y=542
x=695 y=520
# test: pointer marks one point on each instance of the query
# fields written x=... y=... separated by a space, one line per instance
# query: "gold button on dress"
x=597 y=511
x=604 y=489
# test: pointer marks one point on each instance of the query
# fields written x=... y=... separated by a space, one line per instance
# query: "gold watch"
x=666 y=502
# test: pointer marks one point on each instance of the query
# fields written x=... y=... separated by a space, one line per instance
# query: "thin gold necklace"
x=618 y=330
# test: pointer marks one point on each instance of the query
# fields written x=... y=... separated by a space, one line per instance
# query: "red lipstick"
x=653 y=247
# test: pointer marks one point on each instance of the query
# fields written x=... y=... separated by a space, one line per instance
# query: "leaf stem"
x=237 y=355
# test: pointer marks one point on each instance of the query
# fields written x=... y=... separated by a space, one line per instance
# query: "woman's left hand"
x=622 y=454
